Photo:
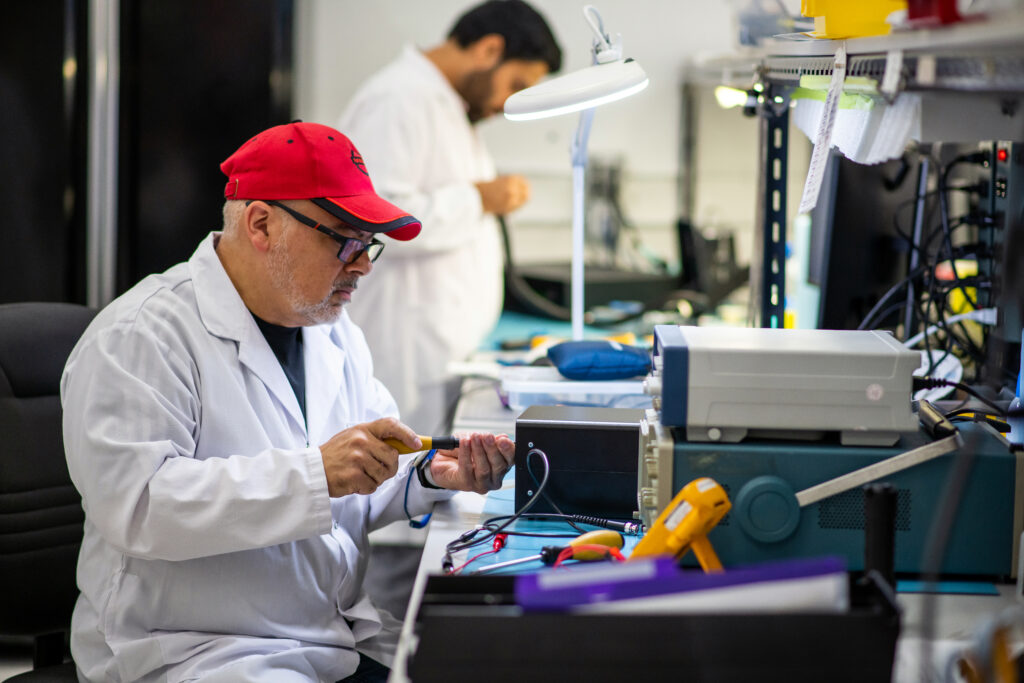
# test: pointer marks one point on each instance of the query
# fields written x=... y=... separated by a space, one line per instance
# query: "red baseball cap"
x=311 y=161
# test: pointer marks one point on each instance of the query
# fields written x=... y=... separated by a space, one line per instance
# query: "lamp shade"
x=578 y=90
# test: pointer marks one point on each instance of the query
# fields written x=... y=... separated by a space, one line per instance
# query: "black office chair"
x=40 y=510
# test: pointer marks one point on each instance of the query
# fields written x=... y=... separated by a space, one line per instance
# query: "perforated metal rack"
x=979 y=72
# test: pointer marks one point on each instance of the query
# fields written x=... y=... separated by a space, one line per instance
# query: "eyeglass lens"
x=353 y=249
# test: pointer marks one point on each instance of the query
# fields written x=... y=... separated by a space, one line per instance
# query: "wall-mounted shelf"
x=982 y=55
x=970 y=77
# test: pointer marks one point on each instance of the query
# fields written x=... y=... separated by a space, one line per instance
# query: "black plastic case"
x=470 y=629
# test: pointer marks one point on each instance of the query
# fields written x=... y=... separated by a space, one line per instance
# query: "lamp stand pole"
x=579 y=168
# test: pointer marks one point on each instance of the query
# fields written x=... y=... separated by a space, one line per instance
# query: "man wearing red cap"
x=224 y=427
x=415 y=122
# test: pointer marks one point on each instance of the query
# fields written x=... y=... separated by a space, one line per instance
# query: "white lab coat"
x=212 y=549
x=433 y=299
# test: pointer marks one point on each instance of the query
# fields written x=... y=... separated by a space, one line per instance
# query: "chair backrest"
x=40 y=510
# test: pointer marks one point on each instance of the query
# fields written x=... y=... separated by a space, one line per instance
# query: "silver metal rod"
x=579 y=166
x=509 y=563
x=101 y=182
x=916 y=246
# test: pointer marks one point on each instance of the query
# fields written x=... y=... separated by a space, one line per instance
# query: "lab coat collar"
x=225 y=315
x=220 y=307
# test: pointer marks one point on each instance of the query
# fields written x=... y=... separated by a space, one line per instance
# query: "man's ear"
x=255 y=225
x=487 y=51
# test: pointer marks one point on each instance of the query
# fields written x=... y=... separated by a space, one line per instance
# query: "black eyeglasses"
x=351 y=247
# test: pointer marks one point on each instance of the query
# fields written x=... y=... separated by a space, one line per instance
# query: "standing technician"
x=224 y=427
x=435 y=299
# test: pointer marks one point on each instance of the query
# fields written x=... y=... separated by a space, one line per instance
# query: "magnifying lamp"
x=609 y=78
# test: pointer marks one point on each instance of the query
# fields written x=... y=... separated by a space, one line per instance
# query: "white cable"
x=985 y=316
x=604 y=48
x=593 y=18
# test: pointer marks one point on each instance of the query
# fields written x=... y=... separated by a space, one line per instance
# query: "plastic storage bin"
x=837 y=19
x=470 y=628
x=526 y=386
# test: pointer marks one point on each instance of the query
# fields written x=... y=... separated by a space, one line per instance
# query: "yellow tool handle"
x=442 y=442
x=605 y=537
x=706 y=555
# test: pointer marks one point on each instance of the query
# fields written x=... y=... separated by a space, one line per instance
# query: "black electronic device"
x=614 y=271
x=1007 y=242
x=964 y=200
x=603 y=284
x=592 y=454
x=855 y=253
x=710 y=271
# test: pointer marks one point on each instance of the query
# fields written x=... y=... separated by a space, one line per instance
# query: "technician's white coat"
x=435 y=298
x=210 y=536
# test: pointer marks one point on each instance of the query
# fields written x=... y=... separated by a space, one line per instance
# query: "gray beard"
x=281 y=267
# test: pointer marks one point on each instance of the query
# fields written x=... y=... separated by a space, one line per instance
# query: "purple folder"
x=659 y=583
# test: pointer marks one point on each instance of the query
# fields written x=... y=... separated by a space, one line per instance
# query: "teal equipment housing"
x=761 y=478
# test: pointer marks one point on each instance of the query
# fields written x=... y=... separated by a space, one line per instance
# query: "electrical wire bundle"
x=938 y=314
x=947 y=314
x=496 y=529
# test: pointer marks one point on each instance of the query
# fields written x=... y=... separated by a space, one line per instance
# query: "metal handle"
x=897 y=463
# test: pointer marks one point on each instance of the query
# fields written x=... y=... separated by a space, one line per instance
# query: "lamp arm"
x=578 y=146
x=579 y=166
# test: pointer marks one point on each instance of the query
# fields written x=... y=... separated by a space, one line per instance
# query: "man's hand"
x=357 y=460
x=478 y=464
x=504 y=194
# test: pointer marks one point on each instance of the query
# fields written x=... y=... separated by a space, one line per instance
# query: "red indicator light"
x=1002 y=154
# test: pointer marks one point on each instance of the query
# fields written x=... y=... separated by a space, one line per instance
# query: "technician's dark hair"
x=527 y=35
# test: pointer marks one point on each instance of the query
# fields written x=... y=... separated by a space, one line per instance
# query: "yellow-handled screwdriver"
x=444 y=443
x=549 y=554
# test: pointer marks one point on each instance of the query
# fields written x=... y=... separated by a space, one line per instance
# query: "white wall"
x=340 y=42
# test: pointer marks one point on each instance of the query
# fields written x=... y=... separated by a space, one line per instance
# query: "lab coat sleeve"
x=131 y=416
x=396 y=141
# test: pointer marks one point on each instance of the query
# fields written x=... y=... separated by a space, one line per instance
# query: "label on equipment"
x=676 y=517
x=819 y=157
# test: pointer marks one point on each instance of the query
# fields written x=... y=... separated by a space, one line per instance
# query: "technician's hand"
x=357 y=460
x=504 y=194
x=478 y=464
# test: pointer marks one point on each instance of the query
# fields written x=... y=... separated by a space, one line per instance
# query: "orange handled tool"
x=588 y=547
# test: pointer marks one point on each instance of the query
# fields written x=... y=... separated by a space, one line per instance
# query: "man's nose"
x=361 y=265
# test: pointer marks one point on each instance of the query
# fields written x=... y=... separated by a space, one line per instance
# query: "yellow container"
x=837 y=19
